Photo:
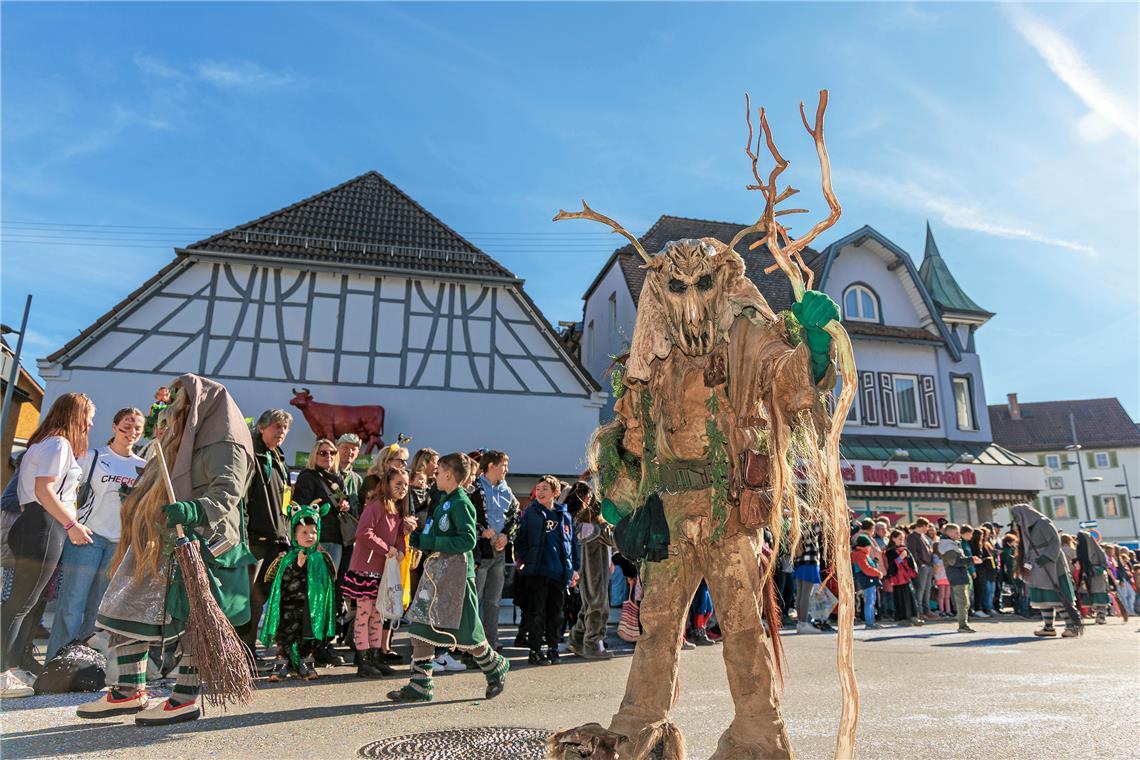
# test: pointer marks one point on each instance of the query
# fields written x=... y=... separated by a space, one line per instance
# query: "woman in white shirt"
x=48 y=480
x=85 y=568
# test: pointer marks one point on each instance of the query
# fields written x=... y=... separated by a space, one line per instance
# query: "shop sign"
x=939 y=476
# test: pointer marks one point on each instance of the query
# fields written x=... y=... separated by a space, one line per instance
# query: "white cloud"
x=954 y=212
x=1066 y=61
x=148 y=64
x=238 y=75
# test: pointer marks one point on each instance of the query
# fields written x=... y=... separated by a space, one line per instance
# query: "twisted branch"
x=589 y=213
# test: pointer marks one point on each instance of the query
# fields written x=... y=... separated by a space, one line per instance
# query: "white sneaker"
x=12 y=687
x=806 y=628
x=26 y=676
x=449 y=663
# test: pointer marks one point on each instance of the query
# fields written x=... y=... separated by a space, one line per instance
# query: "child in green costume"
x=445 y=612
x=300 y=612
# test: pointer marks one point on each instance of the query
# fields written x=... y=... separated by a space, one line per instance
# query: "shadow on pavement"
x=1003 y=641
x=125 y=735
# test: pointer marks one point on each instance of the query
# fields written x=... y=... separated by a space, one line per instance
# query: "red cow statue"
x=334 y=420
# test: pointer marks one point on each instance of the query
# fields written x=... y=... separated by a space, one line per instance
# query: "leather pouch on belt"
x=755 y=497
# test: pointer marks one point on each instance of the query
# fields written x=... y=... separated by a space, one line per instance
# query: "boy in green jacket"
x=448 y=537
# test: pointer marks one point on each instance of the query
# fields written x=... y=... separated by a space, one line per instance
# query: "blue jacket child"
x=546 y=543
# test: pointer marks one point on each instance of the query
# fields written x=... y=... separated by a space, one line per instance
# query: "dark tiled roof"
x=881 y=447
x=1044 y=426
x=774 y=287
x=873 y=329
x=944 y=289
x=365 y=222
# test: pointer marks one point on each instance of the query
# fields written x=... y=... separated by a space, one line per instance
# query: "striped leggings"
x=131 y=657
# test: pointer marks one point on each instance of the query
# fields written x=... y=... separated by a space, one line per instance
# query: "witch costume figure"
x=1093 y=575
x=209 y=453
x=721 y=404
x=300 y=613
x=1045 y=570
x=445 y=611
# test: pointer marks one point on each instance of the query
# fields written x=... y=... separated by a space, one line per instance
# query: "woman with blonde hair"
x=48 y=479
x=208 y=451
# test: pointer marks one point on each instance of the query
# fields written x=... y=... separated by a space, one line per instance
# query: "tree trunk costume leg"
x=757 y=730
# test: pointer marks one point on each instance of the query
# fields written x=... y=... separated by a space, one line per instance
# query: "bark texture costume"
x=719 y=402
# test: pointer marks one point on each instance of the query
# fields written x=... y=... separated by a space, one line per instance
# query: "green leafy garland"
x=651 y=478
x=613 y=458
x=718 y=459
x=792 y=327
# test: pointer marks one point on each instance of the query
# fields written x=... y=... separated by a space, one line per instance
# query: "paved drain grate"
x=489 y=743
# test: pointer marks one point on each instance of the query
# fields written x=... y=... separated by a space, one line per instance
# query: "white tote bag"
x=390 y=599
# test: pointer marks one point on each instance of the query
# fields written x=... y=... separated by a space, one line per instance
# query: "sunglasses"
x=325 y=453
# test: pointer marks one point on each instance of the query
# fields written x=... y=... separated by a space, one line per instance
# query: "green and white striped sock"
x=187 y=685
x=131 y=659
x=493 y=664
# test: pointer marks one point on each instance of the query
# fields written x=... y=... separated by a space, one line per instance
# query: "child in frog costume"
x=445 y=611
x=300 y=613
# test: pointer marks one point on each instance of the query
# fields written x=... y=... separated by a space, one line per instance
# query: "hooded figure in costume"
x=300 y=612
x=1045 y=570
x=714 y=383
x=1093 y=576
x=209 y=453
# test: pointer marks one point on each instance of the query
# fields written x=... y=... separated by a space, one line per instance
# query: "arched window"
x=860 y=304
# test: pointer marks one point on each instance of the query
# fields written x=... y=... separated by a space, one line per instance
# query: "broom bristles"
x=222 y=660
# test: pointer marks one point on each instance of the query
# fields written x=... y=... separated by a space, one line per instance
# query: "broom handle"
x=169 y=484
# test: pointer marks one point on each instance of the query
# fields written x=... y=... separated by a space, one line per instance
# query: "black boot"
x=324 y=654
x=364 y=667
x=376 y=660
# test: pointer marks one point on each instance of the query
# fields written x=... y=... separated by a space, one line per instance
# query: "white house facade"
x=363 y=297
x=918 y=440
x=1090 y=450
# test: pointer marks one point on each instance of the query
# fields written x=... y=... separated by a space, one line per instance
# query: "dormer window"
x=860 y=304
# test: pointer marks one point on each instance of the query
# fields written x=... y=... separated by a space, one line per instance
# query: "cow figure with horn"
x=331 y=421
x=722 y=430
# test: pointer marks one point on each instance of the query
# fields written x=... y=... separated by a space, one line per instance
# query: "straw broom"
x=221 y=658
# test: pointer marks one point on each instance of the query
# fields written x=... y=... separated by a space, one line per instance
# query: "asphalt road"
x=926 y=693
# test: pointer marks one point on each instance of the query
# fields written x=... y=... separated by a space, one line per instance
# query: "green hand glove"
x=814 y=311
x=610 y=512
x=186 y=513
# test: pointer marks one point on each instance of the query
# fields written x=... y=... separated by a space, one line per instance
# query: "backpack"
x=77 y=667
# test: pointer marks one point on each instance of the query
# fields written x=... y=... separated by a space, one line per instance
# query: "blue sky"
x=131 y=128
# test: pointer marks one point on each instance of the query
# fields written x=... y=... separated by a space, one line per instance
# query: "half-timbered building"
x=362 y=296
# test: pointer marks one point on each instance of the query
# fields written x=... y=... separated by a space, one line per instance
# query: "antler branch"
x=589 y=213
x=816 y=132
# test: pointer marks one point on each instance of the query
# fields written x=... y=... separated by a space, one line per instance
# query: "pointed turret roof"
x=944 y=289
x=365 y=222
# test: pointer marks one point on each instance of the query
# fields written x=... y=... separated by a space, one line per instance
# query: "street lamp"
x=1128 y=491
x=1076 y=447
x=897 y=454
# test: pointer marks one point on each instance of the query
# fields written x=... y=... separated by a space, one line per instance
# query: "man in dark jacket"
x=547 y=553
x=919 y=546
x=266 y=523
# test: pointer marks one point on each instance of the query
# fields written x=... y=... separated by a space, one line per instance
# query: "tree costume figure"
x=1043 y=566
x=445 y=611
x=209 y=452
x=300 y=612
x=719 y=401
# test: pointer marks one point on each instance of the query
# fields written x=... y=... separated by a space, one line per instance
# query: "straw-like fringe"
x=222 y=660
x=588 y=741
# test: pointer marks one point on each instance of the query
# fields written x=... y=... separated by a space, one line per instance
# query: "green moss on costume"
x=718 y=458
x=792 y=327
x=650 y=468
x=617 y=379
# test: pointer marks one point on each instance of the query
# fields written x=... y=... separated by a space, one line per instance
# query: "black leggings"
x=544 y=605
x=36 y=541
